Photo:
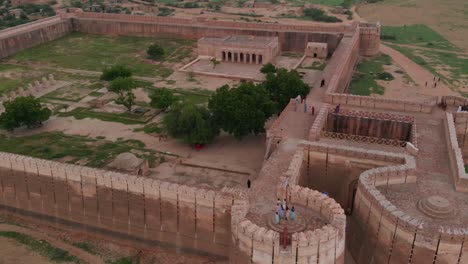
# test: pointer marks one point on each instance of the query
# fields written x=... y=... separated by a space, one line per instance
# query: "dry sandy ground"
x=270 y=15
x=448 y=17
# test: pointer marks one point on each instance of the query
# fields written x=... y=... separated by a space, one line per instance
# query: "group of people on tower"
x=284 y=212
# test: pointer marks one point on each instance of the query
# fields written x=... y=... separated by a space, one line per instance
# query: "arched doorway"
x=322 y=83
x=241 y=56
x=254 y=58
x=260 y=58
x=315 y=55
x=247 y=58
x=229 y=56
x=224 y=55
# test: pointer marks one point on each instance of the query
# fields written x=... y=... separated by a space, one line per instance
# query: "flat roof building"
x=240 y=48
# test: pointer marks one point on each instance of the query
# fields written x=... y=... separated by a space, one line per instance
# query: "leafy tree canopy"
x=285 y=85
x=162 y=98
x=111 y=73
x=23 y=111
x=243 y=110
x=126 y=99
x=122 y=84
x=268 y=68
x=155 y=51
x=191 y=123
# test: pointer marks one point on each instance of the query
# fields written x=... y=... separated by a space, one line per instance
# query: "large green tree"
x=243 y=110
x=23 y=111
x=162 y=98
x=191 y=123
x=284 y=85
x=123 y=88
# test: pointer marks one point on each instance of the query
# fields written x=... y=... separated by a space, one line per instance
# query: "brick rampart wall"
x=370 y=39
x=25 y=36
x=457 y=164
x=117 y=204
x=289 y=40
x=381 y=233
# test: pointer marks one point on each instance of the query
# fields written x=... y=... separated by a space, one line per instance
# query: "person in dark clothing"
x=248 y=183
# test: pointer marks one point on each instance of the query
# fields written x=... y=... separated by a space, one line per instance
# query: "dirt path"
x=79 y=253
x=419 y=74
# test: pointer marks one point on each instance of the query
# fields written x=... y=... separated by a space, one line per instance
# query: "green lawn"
x=55 y=145
x=316 y=65
x=42 y=247
x=94 y=52
x=364 y=80
x=125 y=118
x=419 y=35
x=10 y=83
x=193 y=96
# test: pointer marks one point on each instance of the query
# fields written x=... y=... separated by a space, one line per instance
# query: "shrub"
x=111 y=73
x=316 y=14
x=155 y=51
x=385 y=76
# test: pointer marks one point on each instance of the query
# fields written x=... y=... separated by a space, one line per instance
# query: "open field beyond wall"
x=448 y=17
x=431 y=33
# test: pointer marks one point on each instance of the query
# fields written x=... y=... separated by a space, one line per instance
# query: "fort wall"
x=369 y=39
x=456 y=127
x=16 y=39
x=291 y=37
x=381 y=233
x=117 y=204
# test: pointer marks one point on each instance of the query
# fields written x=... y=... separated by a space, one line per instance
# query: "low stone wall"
x=317 y=127
x=29 y=35
x=116 y=204
x=379 y=103
x=457 y=166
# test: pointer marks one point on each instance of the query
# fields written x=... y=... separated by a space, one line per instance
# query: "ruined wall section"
x=291 y=37
x=16 y=39
x=118 y=205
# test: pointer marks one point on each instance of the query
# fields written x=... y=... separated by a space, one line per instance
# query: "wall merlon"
x=119 y=181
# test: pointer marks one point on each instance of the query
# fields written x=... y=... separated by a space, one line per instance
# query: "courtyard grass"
x=124 y=118
x=42 y=247
x=418 y=35
x=316 y=65
x=95 y=52
x=77 y=149
x=193 y=96
x=364 y=80
x=73 y=93
x=13 y=82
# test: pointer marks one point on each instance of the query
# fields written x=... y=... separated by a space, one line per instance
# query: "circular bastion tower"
x=317 y=235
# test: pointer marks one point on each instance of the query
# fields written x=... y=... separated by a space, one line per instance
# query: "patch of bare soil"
x=12 y=252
